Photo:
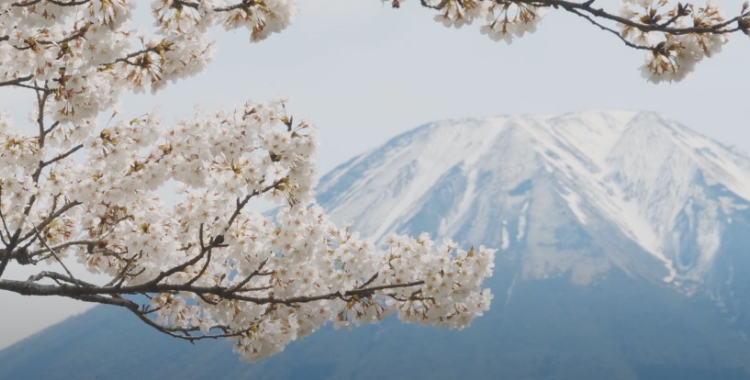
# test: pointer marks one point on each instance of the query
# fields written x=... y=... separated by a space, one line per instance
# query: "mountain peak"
x=636 y=177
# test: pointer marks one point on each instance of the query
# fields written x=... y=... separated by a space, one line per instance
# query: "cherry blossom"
x=75 y=192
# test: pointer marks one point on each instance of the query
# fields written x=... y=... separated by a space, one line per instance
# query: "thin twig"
x=52 y=252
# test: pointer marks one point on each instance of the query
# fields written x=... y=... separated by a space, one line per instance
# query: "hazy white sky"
x=363 y=73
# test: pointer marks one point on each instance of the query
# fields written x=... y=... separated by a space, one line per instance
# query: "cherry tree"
x=79 y=192
x=75 y=192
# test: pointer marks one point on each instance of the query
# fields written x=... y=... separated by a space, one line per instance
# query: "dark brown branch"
x=256 y=289
x=586 y=7
x=35 y=88
x=60 y=277
x=62 y=156
x=52 y=217
x=184 y=332
x=203 y=269
x=84 y=291
x=590 y=13
x=30 y=289
x=248 y=278
x=120 y=278
x=243 y=203
x=368 y=282
x=5 y=224
x=56 y=2
x=41 y=100
x=16 y=81
x=440 y=5
x=244 y=4
x=181 y=267
x=52 y=127
x=126 y=58
x=610 y=30
x=103 y=300
x=206 y=300
x=13 y=241
x=52 y=252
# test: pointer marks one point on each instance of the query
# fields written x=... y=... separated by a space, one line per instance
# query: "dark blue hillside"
x=619 y=329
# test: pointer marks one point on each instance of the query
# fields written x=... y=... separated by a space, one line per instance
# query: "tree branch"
x=56 y=2
x=248 y=278
x=28 y=288
x=60 y=277
x=52 y=252
x=5 y=224
x=16 y=81
x=586 y=7
x=52 y=217
x=607 y=29
x=51 y=161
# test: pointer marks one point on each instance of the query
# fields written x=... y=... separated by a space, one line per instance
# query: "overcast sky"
x=363 y=73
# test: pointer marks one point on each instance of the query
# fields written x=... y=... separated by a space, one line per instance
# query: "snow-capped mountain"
x=572 y=195
x=619 y=234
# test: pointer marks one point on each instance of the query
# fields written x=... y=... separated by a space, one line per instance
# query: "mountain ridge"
x=610 y=158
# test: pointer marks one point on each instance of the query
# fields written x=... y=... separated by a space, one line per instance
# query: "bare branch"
x=52 y=127
x=368 y=282
x=203 y=269
x=56 y=2
x=248 y=278
x=610 y=30
x=424 y=3
x=61 y=157
x=243 y=203
x=16 y=81
x=5 y=224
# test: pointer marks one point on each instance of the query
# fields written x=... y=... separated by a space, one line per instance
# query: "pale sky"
x=363 y=73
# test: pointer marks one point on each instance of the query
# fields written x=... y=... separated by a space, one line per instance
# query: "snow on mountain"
x=600 y=186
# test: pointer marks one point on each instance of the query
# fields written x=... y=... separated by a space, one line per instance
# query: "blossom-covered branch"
x=77 y=194
x=675 y=35
x=211 y=267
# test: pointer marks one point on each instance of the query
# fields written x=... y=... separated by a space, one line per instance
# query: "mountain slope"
x=633 y=177
x=622 y=238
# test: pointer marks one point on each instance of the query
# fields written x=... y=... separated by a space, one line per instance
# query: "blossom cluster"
x=504 y=20
x=86 y=55
x=675 y=54
x=264 y=280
